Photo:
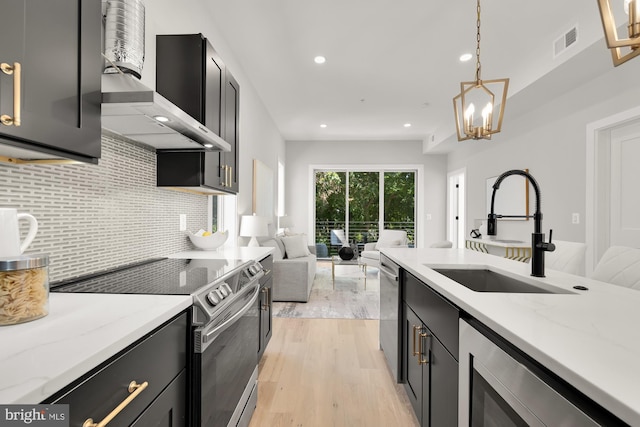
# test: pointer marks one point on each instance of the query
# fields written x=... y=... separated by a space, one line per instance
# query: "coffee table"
x=336 y=260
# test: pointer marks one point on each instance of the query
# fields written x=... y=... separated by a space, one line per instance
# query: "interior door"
x=624 y=196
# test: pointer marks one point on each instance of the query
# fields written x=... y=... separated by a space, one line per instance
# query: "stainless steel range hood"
x=133 y=110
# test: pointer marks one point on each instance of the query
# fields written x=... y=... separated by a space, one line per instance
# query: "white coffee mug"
x=10 y=244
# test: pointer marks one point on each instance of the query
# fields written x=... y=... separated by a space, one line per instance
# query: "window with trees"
x=362 y=203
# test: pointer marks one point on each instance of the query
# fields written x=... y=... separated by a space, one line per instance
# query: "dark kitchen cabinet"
x=57 y=45
x=229 y=160
x=190 y=74
x=159 y=359
x=430 y=365
x=265 y=303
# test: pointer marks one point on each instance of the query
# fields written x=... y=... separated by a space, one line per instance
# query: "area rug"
x=348 y=301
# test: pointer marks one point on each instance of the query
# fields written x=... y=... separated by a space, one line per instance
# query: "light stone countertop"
x=590 y=339
x=40 y=357
x=81 y=331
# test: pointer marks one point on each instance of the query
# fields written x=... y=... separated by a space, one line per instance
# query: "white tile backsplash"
x=93 y=217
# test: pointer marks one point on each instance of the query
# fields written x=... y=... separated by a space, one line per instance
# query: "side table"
x=336 y=260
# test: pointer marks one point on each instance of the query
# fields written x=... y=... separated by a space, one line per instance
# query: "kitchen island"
x=587 y=338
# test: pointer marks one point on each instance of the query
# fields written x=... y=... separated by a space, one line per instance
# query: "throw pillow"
x=271 y=243
x=296 y=246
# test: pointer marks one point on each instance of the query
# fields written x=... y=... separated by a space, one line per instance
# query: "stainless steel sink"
x=507 y=241
x=485 y=280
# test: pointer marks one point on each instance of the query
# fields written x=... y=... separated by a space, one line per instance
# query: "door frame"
x=457 y=237
x=597 y=221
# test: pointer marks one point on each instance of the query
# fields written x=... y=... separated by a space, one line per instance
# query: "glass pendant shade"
x=627 y=47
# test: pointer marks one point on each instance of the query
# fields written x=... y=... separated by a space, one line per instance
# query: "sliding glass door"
x=355 y=205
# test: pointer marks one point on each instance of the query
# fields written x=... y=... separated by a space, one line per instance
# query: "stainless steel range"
x=224 y=327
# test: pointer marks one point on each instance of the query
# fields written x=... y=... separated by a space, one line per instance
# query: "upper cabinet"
x=50 y=91
x=191 y=74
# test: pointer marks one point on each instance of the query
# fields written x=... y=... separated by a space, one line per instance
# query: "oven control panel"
x=219 y=294
x=215 y=296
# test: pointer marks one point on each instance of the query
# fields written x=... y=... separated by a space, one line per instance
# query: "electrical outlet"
x=428 y=217
x=183 y=222
x=575 y=218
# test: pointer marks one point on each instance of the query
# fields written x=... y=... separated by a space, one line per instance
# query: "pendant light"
x=622 y=49
x=483 y=93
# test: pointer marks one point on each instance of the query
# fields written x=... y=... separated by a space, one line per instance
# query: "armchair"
x=387 y=239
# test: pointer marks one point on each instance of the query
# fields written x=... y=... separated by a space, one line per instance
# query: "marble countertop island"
x=591 y=338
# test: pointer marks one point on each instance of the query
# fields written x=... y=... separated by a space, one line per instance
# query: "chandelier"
x=480 y=92
x=623 y=49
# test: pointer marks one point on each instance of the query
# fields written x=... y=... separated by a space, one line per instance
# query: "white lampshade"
x=285 y=221
x=253 y=226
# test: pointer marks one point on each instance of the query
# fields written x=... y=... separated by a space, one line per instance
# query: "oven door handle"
x=208 y=336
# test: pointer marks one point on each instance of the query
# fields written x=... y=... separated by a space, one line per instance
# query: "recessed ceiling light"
x=465 y=57
x=208 y=145
x=407 y=125
x=323 y=125
x=319 y=59
x=161 y=118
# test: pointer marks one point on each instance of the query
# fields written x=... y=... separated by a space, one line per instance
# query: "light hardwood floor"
x=328 y=372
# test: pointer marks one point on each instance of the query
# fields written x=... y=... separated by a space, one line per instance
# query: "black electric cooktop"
x=165 y=276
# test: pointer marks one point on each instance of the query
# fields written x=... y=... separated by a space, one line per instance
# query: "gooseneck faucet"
x=538 y=245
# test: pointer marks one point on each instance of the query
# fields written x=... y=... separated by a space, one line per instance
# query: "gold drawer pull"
x=16 y=69
x=415 y=328
x=421 y=360
x=135 y=389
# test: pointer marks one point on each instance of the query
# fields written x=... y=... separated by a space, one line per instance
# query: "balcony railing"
x=359 y=232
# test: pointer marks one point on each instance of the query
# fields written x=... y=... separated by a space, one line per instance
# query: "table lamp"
x=285 y=222
x=253 y=226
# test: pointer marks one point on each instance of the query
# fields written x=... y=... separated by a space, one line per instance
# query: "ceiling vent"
x=566 y=40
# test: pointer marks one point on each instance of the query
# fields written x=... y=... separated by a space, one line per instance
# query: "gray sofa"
x=292 y=277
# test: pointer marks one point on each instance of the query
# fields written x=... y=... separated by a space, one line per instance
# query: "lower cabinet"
x=264 y=304
x=430 y=368
x=153 y=369
x=265 y=317
x=169 y=409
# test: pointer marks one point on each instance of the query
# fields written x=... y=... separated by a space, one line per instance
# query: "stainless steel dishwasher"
x=390 y=312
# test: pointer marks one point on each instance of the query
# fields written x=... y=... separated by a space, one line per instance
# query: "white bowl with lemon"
x=206 y=240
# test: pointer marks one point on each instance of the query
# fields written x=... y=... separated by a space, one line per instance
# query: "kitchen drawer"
x=436 y=312
x=157 y=358
x=267 y=263
x=170 y=408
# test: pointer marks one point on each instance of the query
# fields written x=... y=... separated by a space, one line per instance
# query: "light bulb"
x=487 y=110
x=469 y=112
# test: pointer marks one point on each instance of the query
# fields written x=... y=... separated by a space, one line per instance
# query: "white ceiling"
x=391 y=62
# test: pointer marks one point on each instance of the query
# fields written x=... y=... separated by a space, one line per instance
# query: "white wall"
x=259 y=136
x=551 y=142
x=301 y=155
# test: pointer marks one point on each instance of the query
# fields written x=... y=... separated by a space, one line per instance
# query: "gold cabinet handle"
x=415 y=328
x=16 y=70
x=223 y=179
x=230 y=179
x=265 y=305
x=135 y=389
x=421 y=360
x=268 y=297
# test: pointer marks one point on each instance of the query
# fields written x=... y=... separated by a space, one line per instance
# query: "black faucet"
x=538 y=245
